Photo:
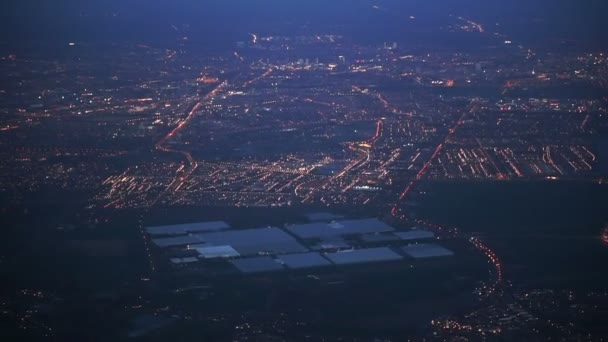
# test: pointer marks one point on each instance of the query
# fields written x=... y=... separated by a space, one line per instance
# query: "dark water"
x=602 y=148
x=547 y=233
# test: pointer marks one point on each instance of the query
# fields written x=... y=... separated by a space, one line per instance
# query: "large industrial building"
x=339 y=228
x=185 y=228
x=357 y=256
x=324 y=242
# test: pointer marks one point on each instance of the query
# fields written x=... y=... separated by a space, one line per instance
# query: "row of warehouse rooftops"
x=276 y=240
x=296 y=261
x=304 y=231
x=314 y=244
x=246 y=241
x=185 y=228
x=197 y=227
x=346 y=257
x=339 y=228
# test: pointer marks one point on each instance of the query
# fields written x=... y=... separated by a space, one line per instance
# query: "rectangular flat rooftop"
x=426 y=250
x=175 y=241
x=415 y=235
x=269 y=240
x=363 y=255
x=257 y=264
x=338 y=228
x=304 y=260
x=186 y=260
x=331 y=243
x=379 y=237
x=210 y=252
x=198 y=245
x=185 y=228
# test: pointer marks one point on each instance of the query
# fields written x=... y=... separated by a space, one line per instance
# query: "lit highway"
x=193 y=164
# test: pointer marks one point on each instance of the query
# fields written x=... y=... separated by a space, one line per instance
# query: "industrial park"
x=274 y=249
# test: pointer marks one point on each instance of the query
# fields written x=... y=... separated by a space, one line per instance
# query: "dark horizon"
x=26 y=23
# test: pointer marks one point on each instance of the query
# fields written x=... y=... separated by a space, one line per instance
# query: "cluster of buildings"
x=307 y=119
x=535 y=314
x=319 y=243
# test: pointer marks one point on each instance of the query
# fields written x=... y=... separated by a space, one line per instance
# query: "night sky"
x=30 y=21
